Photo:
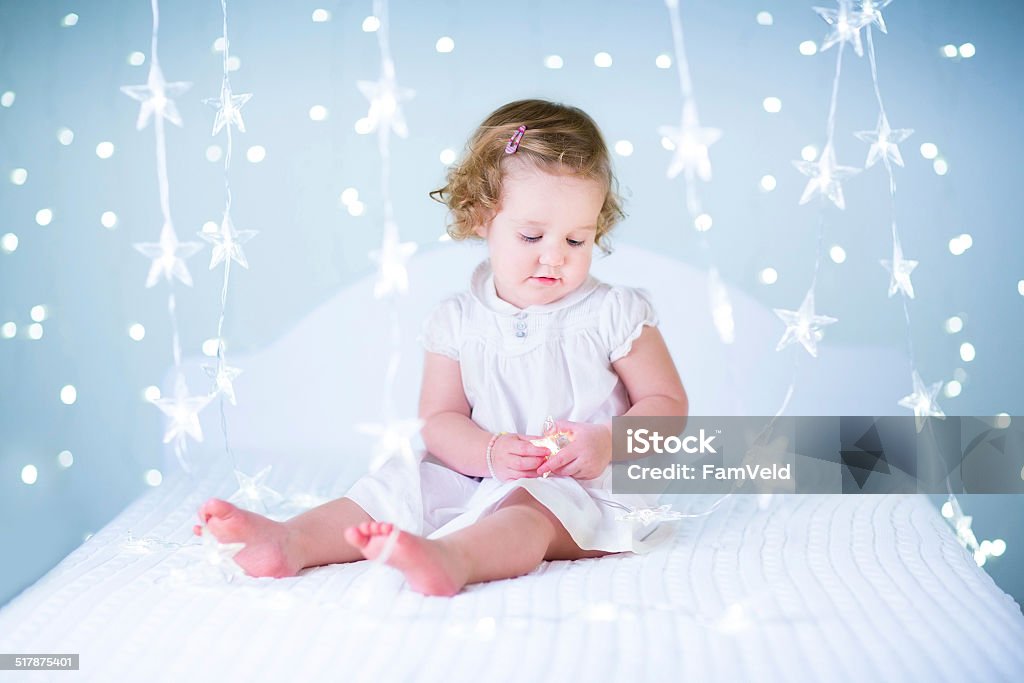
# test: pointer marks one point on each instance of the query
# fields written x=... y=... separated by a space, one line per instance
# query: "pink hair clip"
x=513 y=142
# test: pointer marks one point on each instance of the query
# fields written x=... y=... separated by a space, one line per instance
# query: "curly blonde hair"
x=558 y=138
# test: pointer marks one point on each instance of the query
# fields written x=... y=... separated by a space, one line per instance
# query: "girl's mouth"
x=547 y=281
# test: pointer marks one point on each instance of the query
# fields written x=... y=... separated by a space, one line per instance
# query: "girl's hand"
x=586 y=457
x=514 y=457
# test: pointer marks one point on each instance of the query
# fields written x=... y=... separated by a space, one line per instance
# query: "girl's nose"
x=552 y=256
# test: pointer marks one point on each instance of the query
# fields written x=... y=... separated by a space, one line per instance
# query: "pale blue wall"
x=91 y=280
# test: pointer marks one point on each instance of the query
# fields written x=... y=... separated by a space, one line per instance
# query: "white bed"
x=792 y=588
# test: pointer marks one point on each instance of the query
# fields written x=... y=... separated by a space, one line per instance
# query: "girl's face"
x=541 y=240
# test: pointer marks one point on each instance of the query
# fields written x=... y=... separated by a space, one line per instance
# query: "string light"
x=803 y=325
x=167 y=257
x=253 y=492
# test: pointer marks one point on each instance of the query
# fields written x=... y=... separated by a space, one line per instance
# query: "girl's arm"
x=651 y=378
x=453 y=438
x=654 y=389
x=448 y=431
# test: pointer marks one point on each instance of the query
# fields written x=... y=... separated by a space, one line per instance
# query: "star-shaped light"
x=183 y=410
x=392 y=276
x=646 y=516
x=227 y=242
x=824 y=177
x=221 y=556
x=846 y=25
x=691 y=143
x=253 y=493
x=922 y=400
x=551 y=439
x=223 y=376
x=870 y=11
x=883 y=141
x=899 y=269
x=803 y=325
x=385 y=95
x=393 y=438
x=168 y=256
x=155 y=97
x=229 y=108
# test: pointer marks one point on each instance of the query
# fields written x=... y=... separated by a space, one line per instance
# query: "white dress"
x=519 y=366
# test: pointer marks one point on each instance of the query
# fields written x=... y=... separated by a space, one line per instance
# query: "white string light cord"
x=690 y=143
x=884 y=141
x=168 y=254
x=227 y=243
x=394 y=436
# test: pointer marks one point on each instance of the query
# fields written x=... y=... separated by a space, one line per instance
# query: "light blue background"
x=91 y=279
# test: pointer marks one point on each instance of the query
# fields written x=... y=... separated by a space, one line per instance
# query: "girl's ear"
x=482 y=230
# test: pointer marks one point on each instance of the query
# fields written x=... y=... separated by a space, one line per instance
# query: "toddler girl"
x=535 y=335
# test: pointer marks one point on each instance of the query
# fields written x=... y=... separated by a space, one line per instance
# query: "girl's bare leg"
x=509 y=542
x=278 y=549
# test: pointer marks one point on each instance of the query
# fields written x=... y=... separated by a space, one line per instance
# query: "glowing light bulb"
x=256 y=154
x=349 y=195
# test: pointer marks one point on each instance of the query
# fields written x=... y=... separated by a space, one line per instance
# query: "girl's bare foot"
x=267 y=549
x=430 y=567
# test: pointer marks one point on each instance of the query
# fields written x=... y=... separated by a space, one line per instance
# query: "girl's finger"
x=527 y=463
x=529 y=450
x=556 y=462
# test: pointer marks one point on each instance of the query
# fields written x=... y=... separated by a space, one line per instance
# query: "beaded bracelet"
x=490 y=447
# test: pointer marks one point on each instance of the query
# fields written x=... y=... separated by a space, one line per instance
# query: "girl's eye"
x=576 y=243
x=527 y=238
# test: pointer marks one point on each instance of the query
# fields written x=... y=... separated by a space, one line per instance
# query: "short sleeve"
x=624 y=312
x=441 y=331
